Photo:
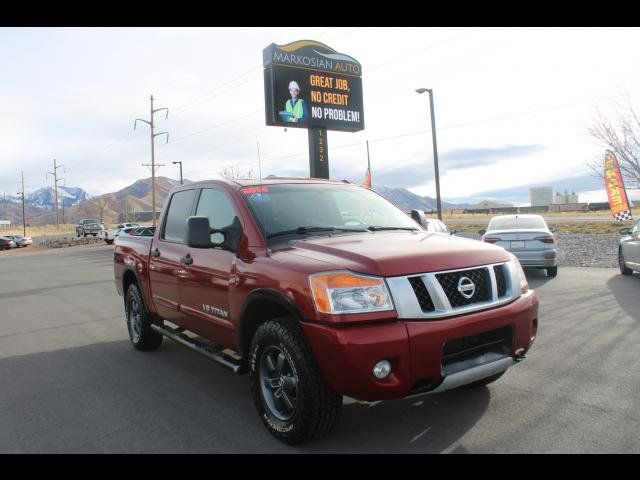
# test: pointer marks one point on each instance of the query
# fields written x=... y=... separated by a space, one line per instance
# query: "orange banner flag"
x=614 y=186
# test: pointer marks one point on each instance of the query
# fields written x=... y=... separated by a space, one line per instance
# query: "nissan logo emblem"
x=466 y=287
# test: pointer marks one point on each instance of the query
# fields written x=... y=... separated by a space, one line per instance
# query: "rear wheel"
x=623 y=268
x=142 y=336
x=552 y=271
x=288 y=390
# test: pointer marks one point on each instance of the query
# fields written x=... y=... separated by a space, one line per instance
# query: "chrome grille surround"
x=408 y=307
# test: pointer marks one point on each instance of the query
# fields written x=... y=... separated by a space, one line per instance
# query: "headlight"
x=344 y=292
x=524 y=285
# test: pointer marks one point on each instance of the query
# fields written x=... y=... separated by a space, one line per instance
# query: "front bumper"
x=346 y=355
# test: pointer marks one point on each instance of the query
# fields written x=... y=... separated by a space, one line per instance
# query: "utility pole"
x=180 y=162
x=435 y=148
x=24 y=221
x=55 y=186
x=153 y=155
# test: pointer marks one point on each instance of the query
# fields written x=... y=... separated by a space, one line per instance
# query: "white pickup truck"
x=110 y=235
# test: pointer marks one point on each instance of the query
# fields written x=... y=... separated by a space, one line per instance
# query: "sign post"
x=318 y=158
x=310 y=85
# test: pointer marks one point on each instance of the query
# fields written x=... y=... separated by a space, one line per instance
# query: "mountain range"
x=39 y=205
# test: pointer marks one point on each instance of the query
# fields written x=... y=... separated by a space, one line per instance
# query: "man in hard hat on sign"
x=296 y=107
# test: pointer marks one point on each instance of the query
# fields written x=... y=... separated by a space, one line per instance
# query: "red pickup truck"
x=320 y=289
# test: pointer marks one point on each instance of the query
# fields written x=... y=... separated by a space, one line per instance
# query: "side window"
x=175 y=228
x=217 y=206
x=636 y=228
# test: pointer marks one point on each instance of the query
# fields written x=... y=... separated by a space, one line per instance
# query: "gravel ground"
x=582 y=249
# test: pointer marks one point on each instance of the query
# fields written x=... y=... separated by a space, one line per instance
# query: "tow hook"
x=519 y=355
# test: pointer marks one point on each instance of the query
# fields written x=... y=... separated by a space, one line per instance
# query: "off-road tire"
x=317 y=408
x=552 y=271
x=624 y=270
x=142 y=337
x=485 y=381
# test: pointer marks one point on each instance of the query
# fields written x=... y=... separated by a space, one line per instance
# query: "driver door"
x=206 y=286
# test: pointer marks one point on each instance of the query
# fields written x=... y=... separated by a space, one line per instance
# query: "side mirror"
x=482 y=232
x=625 y=231
x=420 y=217
x=198 y=232
x=232 y=235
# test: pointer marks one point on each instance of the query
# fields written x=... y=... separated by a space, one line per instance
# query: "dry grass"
x=38 y=231
x=569 y=227
x=448 y=215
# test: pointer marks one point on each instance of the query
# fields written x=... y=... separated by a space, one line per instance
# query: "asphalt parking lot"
x=71 y=382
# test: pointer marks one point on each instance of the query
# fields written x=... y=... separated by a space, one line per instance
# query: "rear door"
x=166 y=270
x=205 y=290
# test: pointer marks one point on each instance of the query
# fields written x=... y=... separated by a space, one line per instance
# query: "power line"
x=193 y=103
x=456 y=125
x=420 y=50
x=343 y=35
x=213 y=127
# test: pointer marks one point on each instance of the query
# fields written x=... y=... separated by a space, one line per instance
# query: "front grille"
x=424 y=299
x=467 y=352
x=479 y=277
x=501 y=282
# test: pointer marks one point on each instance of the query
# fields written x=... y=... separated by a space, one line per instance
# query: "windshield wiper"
x=377 y=228
x=303 y=230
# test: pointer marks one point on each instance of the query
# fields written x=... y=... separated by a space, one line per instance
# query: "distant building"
x=541 y=196
x=5 y=223
x=563 y=199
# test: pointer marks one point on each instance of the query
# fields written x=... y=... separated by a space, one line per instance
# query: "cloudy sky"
x=511 y=104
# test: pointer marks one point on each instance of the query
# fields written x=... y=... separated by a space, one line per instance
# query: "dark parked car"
x=89 y=226
x=6 y=243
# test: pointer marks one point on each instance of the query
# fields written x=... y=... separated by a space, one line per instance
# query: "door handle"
x=155 y=253
x=187 y=260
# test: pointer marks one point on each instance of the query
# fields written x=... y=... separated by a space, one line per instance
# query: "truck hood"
x=392 y=253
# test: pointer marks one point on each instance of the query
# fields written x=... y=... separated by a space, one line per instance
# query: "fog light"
x=382 y=369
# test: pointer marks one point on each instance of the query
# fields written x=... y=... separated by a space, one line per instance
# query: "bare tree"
x=621 y=135
x=101 y=204
x=234 y=172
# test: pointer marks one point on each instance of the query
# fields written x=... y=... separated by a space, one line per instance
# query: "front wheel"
x=142 y=336
x=291 y=397
x=621 y=263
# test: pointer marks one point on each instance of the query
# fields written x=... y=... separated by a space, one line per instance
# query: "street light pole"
x=180 y=162
x=435 y=149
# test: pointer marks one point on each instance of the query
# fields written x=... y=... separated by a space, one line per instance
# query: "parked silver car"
x=431 y=224
x=629 y=250
x=20 y=240
x=527 y=237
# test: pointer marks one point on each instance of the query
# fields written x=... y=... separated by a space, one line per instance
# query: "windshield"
x=285 y=207
x=517 y=222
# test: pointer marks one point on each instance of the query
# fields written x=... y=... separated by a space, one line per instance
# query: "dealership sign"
x=309 y=85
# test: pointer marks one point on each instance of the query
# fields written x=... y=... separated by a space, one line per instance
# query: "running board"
x=217 y=355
